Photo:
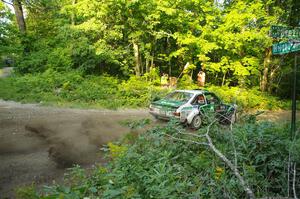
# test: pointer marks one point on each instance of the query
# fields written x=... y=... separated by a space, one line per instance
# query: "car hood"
x=168 y=103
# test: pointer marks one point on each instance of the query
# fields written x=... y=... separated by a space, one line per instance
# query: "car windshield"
x=179 y=96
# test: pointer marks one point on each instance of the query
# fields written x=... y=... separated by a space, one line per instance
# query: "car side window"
x=212 y=99
x=199 y=100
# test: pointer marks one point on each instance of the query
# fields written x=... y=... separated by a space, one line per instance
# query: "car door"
x=212 y=103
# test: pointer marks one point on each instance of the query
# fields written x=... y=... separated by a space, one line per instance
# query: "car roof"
x=194 y=91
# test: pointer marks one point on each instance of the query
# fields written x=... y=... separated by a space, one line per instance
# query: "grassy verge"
x=73 y=89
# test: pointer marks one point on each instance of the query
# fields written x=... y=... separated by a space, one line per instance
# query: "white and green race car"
x=192 y=106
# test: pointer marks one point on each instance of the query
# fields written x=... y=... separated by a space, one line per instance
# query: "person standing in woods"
x=201 y=78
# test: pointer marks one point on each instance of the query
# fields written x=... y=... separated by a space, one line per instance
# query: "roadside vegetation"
x=74 y=89
x=170 y=162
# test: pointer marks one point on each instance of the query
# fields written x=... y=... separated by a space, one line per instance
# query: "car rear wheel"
x=196 y=122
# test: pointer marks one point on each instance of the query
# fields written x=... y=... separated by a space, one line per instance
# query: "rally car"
x=192 y=107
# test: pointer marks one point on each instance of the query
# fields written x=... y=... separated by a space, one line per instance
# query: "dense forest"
x=228 y=40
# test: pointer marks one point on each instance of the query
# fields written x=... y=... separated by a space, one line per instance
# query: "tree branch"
x=7 y=2
x=191 y=134
x=294 y=181
x=234 y=148
x=208 y=127
x=184 y=140
x=232 y=167
x=228 y=163
x=210 y=144
x=288 y=175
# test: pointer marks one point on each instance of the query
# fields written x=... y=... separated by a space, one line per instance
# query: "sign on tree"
x=285 y=32
x=285 y=47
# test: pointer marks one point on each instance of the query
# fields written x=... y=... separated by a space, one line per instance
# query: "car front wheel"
x=196 y=122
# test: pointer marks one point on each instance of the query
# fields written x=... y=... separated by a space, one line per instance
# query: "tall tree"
x=18 y=8
x=9 y=42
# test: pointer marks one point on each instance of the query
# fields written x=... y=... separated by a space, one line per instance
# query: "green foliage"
x=116 y=151
x=295 y=148
x=264 y=155
x=137 y=91
x=155 y=166
x=9 y=42
x=186 y=82
x=227 y=40
x=249 y=98
x=27 y=192
x=76 y=89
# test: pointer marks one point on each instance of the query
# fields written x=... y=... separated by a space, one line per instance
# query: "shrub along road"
x=37 y=143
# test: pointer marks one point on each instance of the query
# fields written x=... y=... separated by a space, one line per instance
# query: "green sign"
x=285 y=47
x=285 y=32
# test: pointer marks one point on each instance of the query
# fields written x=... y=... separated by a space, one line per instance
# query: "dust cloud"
x=38 y=143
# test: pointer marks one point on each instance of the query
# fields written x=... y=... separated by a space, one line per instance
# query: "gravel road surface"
x=37 y=143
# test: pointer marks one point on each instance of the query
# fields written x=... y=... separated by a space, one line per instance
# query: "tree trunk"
x=19 y=16
x=153 y=47
x=170 y=68
x=137 y=58
x=142 y=65
x=152 y=60
x=223 y=79
x=271 y=78
x=73 y=13
x=267 y=60
x=147 y=65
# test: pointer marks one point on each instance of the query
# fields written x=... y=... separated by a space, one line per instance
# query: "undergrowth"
x=77 y=90
x=73 y=89
x=156 y=166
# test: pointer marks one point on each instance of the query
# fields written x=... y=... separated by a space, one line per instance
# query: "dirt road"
x=37 y=143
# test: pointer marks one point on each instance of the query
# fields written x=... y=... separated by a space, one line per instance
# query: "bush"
x=186 y=83
x=249 y=98
x=137 y=92
x=76 y=88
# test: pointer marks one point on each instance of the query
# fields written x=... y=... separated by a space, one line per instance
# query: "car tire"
x=196 y=122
